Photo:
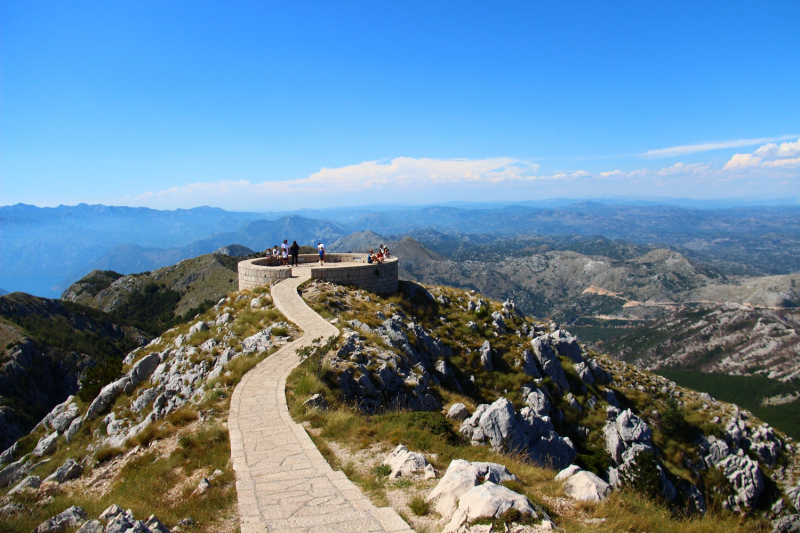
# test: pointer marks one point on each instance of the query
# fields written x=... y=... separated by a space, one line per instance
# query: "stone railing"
x=344 y=269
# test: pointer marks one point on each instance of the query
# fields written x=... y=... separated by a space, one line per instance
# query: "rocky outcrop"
x=461 y=477
x=488 y=501
x=499 y=426
x=745 y=477
x=405 y=463
x=71 y=517
x=583 y=486
x=69 y=470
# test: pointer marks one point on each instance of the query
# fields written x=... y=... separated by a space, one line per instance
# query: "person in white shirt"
x=285 y=252
x=321 y=248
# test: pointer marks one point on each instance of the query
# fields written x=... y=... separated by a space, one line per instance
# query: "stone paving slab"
x=282 y=481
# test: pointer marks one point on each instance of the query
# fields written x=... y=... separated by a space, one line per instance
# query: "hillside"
x=159 y=299
x=48 y=348
x=446 y=373
x=498 y=375
x=153 y=440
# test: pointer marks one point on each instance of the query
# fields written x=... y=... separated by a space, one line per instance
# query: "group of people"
x=380 y=257
x=278 y=256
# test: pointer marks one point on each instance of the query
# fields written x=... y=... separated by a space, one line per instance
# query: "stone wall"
x=354 y=270
x=254 y=273
x=376 y=277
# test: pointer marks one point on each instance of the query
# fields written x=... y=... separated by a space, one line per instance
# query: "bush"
x=98 y=376
x=382 y=470
x=642 y=476
x=675 y=425
x=419 y=506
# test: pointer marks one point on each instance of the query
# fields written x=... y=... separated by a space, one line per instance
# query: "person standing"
x=285 y=252
x=294 y=249
x=321 y=248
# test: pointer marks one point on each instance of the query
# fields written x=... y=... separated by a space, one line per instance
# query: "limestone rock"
x=457 y=411
x=548 y=361
x=8 y=456
x=257 y=343
x=529 y=364
x=106 y=396
x=316 y=402
x=745 y=476
x=73 y=428
x=11 y=509
x=488 y=501
x=566 y=345
x=143 y=368
x=787 y=524
x=92 y=526
x=71 y=517
x=69 y=470
x=528 y=433
x=404 y=463
x=14 y=471
x=567 y=472
x=46 y=445
x=30 y=482
x=198 y=327
x=111 y=511
x=224 y=318
x=536 y=400
x=586 y=486
x=461 y=477
x=486 y=356
x=61 y=422
x=155 y=525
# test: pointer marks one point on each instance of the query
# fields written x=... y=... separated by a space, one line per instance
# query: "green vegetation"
x=748 y=393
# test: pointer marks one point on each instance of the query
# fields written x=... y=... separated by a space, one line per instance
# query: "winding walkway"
x=282 y=481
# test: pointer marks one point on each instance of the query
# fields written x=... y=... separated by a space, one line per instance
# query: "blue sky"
x=273 y=106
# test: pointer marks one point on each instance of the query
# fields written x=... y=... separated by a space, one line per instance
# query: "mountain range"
x=46 y=249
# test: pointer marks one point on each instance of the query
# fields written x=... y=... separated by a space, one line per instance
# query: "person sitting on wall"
x=379 y=257
x=369 y=257
x=285 y=252
x=386 y=253
x=276 y=255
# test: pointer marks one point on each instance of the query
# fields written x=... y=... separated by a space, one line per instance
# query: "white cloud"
x=739 y=161
x=705 y=147
x=769 y=156
x=773 y=151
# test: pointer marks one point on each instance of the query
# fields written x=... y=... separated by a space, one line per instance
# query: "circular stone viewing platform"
x=344 y=269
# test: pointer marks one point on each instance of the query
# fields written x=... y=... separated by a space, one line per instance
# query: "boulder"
x=125 y=523
x=257 y=343
x=14 y=471
x=537 y=400
x=61 y=422
x=488 y=501
x=567 y=472
x=143 y=368
x=73 y=428
x=458 y=411
x=566 y=345
x=92 y=526
x=155 y=525
x=529 y=364
x=11 y=509
x=585 y=486
x=486 y=356
x=548 y=361
x=71 y=517
x=584 y=373
x=111 y=511
x=405 y=463
x=461 y=477
x=69 y=470
x=316 y=402
x=745 y=477
x=224 y=318
x=198 y=327
x=30 y=482
x=106 y=396
x=787 y=524
x=527 y=433
x=8 y=456
x=46 y=445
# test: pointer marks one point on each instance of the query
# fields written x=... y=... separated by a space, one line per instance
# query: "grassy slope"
x=157 y=471
x=434 y=434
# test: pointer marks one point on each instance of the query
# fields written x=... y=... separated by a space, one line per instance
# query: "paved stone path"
x=283 y=482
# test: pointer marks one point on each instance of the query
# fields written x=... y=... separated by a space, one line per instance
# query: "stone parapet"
x=255 y=273
x=344 y=269
x=380 y=278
